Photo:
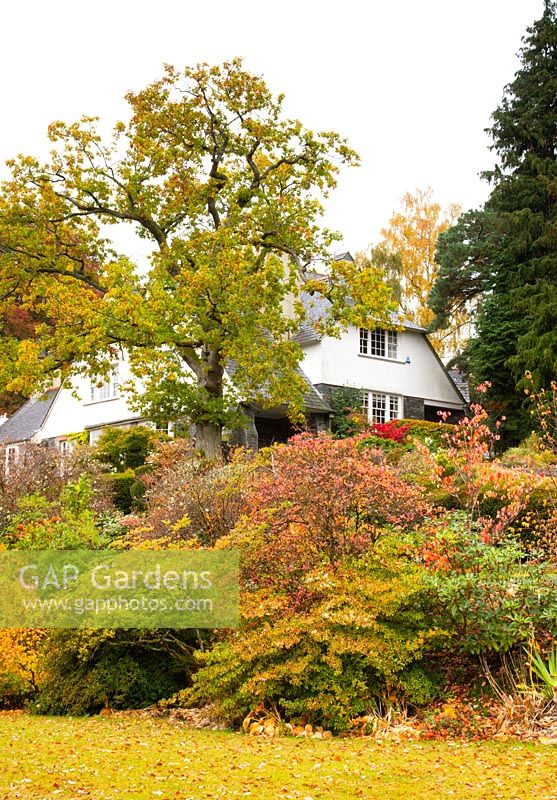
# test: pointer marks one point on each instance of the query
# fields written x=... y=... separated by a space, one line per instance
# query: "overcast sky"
x=411 y=83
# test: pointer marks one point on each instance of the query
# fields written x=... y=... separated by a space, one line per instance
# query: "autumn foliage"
x=318 y=501
x=367 y=564
x=330 y=599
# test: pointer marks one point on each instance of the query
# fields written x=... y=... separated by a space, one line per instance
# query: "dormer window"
x=379 y=343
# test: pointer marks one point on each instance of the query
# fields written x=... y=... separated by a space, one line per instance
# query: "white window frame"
x=11 y=457
x=65 y=447
x=379 y=343
x=365 y=403
x=381 y=407
x=108 y=389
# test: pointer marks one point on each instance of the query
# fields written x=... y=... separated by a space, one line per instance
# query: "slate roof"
x=306 y=334
x=461 y=383
x=25 y=423
x=316 y=307
x=313 y=401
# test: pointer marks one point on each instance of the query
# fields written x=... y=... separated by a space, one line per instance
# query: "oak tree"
x=226 y=191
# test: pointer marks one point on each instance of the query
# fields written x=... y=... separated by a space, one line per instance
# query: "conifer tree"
x=503 y=257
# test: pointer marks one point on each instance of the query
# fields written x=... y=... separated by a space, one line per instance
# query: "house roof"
x=25 y=423
x=317 y=307
x=461 y=383
x=306 y=334
x=313 y=401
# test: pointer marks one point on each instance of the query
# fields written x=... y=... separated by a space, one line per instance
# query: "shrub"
x=535 y=526
x=490 y=495
x=338 y=648
x=188 y=497
x=347 y=418
x=126 y=448
x=530 y=454
x=318 y=500
x=86 y=670
x=399 y=436
x=44 y=471
x=391 y=430
x=65 y=524
x=490 y=597
x=433 y=434
x=331 y=600
x=20 y=670
x=543 y=408
x=121 y=486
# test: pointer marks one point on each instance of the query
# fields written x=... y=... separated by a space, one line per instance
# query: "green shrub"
x=126 y=448
x=488 y=597
x=67 y=524
x=87 y=670
x=122 y=486
x=530 y=454
x=15 y=691
x=347 y=418
x=430 y=433
x=338 y=650
x=419 y=684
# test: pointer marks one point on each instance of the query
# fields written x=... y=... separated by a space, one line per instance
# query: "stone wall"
x=414 y=407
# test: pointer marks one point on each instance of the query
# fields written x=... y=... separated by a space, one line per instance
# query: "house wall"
x=71 y=414
x=338 y=362
x=312 y=362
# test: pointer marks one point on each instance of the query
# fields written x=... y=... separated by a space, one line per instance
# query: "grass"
x=45 y=758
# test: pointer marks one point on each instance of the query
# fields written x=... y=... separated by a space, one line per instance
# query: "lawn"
x=116 y=757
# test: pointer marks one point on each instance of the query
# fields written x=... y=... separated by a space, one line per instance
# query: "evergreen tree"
x=502 y=258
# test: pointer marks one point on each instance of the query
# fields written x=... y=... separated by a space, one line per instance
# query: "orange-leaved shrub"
x=331 y=595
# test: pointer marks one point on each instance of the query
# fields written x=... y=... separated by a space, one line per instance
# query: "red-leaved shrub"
x=321 y=499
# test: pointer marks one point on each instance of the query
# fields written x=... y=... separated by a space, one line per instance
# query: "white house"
x=90 y=406
x=396 y=369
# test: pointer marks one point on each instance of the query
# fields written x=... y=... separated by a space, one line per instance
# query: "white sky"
x=411 y=83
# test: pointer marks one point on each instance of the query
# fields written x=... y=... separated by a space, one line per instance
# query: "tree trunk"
x=208 y=439
x=209 y=372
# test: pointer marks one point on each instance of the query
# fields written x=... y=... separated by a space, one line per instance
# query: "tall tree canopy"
x=407 y=250
x=228 y=193
x=504 y=255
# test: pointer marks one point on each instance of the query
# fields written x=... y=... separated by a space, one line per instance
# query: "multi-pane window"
x=364 y=337
x=392 y=342
x=108 y=389
x=380 y=407
x=379 y=343
x=394 y=407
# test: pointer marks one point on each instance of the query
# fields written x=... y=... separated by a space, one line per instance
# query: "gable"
x=29 y=420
